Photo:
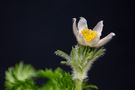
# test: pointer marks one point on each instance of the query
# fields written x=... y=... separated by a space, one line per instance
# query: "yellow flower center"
x=88 y=34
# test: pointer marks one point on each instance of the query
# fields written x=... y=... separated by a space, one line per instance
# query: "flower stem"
x=78 y=85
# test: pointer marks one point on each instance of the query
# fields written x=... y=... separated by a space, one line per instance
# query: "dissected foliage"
x=22 y=77
x=81 y=59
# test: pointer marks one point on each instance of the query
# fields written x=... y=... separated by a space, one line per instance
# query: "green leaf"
x=57 y=79
x=90 y=87
x=81 y=59
x=86 y=86
x=20 y=77
x=62 y=54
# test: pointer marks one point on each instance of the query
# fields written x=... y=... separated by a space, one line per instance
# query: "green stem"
x=78 y=85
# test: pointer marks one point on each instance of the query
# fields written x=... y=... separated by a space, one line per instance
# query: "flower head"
x=90 y=37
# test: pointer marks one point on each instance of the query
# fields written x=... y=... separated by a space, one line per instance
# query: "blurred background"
x=32 y=30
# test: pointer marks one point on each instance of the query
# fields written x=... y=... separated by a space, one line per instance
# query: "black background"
x=31 y=31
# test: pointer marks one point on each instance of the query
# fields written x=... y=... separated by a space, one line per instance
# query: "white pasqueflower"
x=89 y=37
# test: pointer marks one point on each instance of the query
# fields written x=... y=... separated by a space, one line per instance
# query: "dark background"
x=31 y=31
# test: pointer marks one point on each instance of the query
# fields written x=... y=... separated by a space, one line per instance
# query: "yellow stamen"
x=88 y=34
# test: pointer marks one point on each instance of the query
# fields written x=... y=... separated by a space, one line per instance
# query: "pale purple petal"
x=105 y=40
x=82 y=24
x=99 y=28
x=75 y=30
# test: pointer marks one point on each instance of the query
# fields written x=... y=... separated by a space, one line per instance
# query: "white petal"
x=75 y=30
x=99 y=28
x=82 y=24
x=105 y=40
x=76 y=33
x=93 y=42
x=81 y=40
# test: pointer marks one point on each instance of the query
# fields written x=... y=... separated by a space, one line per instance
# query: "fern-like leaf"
x=57 y=79
x=20 y=77
x=62 y=54
x=81 y=59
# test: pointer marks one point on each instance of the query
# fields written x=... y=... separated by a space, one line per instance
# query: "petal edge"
x=99 y=27
x=75 y=30
x=82 y=24
x=105 y=40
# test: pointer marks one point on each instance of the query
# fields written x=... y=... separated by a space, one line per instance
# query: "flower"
x=89 y=37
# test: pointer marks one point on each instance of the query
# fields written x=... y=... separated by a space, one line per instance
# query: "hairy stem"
x=78 y=84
